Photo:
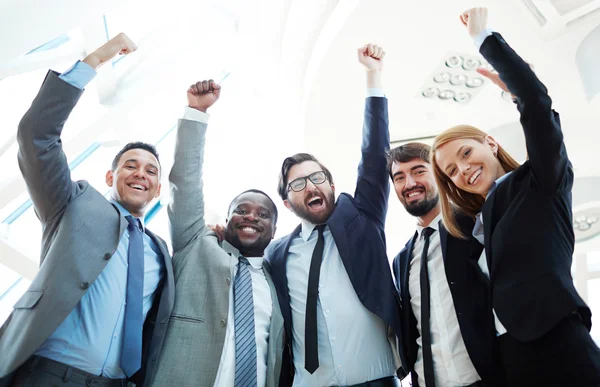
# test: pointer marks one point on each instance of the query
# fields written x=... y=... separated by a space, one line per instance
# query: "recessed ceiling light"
x=462 y=97
x=442 y=77
x=585 y=224
x=458 y=79
x=454 y=61
x=446 y=94
x=471 y=64
x=474 y=82
x=431 y=92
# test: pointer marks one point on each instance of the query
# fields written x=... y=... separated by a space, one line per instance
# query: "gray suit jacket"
x=203 y=272
x=81 y=231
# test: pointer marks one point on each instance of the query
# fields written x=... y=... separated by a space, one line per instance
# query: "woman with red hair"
x=524 y=219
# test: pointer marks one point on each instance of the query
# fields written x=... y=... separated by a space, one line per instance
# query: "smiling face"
x=251 y=224
x=470 y=164
x=415 y=186
x=135 y=182
x=315 y=202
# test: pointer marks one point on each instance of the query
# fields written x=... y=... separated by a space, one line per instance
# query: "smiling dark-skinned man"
x=226 y=328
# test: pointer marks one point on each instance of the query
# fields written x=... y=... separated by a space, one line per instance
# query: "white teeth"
x=313 y=200
x=413 y=194
x=249 y=229
x=475 y=176
x=137 y=186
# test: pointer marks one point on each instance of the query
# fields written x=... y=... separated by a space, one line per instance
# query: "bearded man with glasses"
x=334 y=265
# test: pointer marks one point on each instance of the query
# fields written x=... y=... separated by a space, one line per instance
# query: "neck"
x=426 y=219
x=135 y=212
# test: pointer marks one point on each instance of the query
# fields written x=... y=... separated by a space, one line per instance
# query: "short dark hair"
x=407 y=152
x=288 y=163
x=257 y=191
x=134 y=145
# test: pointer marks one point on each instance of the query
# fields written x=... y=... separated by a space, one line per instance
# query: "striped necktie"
x=245 y=340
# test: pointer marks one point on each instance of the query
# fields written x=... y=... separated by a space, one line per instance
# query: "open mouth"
x=249 y=229
x=138 y=187
x=475 y=176
x=315 y=203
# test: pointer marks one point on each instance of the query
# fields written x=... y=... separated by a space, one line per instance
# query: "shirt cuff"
x=192 y=114
x=479 y=39
x=375 y=92
x=79 y=75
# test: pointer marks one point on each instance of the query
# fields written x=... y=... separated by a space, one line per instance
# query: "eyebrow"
x=460 y=149
x=412 y=169
x=136 y=160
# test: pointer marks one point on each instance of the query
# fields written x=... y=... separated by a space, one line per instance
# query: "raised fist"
x=475 y=19
x=203 y=94
x=371 y=56
x=120 y=44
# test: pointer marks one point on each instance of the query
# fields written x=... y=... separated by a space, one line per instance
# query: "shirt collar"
x=125 y=213
x=497 y=182
x=307 y=229
x=435 y=224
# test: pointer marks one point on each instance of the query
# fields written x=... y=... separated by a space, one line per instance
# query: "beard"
x=422 y=207
x=253 y=248
x=304 y=213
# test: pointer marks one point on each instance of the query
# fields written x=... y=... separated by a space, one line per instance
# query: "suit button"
x=223 y=322
x=452 y=283
x=228 y=281
x=84 y=285
x=107 y=256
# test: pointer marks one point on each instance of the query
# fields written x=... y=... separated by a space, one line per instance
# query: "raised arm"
x=543 y=135
x=372 y=186
x=41 y=158
x=186 y=210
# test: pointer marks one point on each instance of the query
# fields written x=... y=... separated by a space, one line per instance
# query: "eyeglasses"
x=299 y=184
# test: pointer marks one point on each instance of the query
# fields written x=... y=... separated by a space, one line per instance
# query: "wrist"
x=93 y=61
x=374 y=78
x=200 y=109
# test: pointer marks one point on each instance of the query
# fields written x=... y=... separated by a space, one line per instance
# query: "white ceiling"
x=294 y=83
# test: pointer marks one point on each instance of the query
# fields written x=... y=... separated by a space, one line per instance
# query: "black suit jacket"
x=357 y=227
x=527 y=220
x=471 y=297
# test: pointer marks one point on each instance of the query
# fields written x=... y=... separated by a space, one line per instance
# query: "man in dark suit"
x=97 y=311
x=333 y=279
x=448 y=329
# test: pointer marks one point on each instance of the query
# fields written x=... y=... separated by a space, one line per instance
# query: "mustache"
x=418 y=186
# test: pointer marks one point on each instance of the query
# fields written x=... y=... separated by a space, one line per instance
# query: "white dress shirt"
x=353 y=343
x=452 y=365
x=263 y=307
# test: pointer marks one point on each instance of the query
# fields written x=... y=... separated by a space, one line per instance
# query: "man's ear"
x=287 y=204
x=158 y=190
x=273 y=233
x=109 y=178
x=333 y=189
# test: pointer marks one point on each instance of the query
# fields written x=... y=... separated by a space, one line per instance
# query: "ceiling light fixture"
x=456 y=72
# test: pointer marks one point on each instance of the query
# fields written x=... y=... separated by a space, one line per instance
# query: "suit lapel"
x=165 y=308
x=443 y=240
x=406 y=267
x=279 y=271
x=338 y=232
x=488 y=229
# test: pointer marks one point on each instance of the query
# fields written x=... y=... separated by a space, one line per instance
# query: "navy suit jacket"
x=357 y=227
x=527 y=220
x=471 y=297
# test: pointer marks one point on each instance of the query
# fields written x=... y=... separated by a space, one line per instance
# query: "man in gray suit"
x=226 y=328
x=96 y=312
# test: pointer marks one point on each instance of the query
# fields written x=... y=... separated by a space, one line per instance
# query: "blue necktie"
x=131 y=353
x=245 y=340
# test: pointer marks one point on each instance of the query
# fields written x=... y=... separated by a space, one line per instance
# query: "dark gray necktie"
x=311 y=343
x=425 y=313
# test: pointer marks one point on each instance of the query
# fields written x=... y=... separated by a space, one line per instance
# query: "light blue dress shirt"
x=91 y=336
x=352 y=342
